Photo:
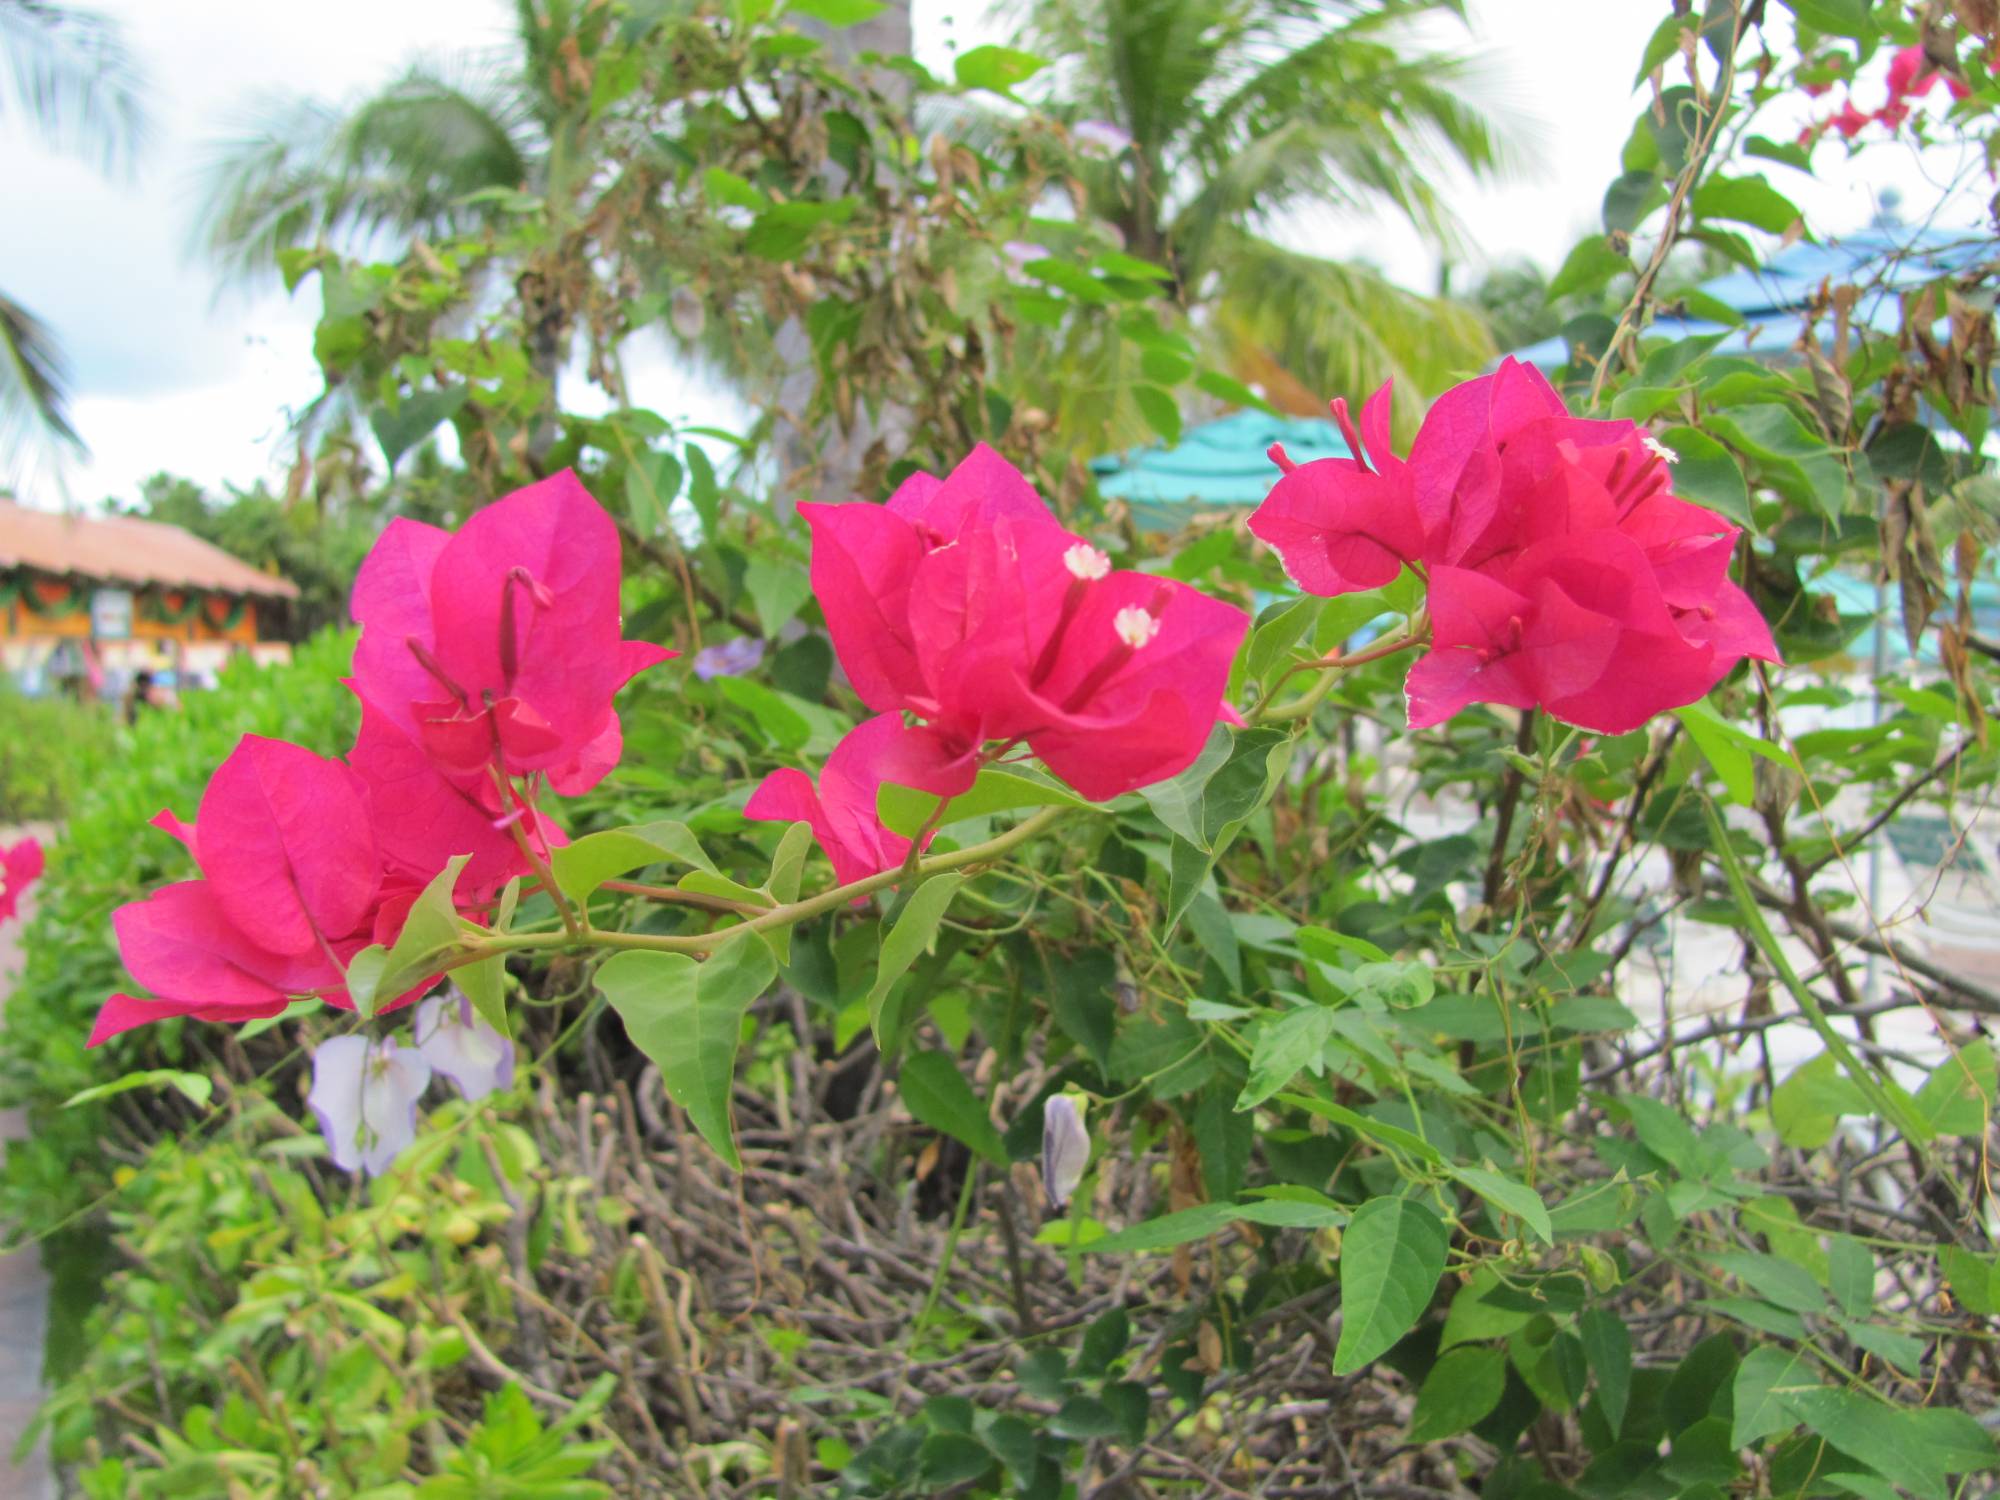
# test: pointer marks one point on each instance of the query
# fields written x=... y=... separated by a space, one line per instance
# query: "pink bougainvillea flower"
x=286 y=842
x=841 y=809
x=499 y=647
x=865 y=556
x=1475 y=648
x=1850 y=120
x=20 y=867
x=422 y=817
x=294 y=886
x=1912 y=75
x=1455 y=464
x=1340 y=525
x=179 y=943
x=964 y=603
x=365 y=1095
x=1126 y=680
x=1580 y=627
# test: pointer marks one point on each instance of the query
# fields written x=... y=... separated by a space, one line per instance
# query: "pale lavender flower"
x=365 y=1094
x=1100 y=138
x=456 y=1041
x=730 y=659
x=1018 y=254
x=1065 y=1147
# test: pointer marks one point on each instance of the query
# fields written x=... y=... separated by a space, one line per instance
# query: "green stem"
x=1884 y=1103
x=973 y=1171
x=1270 y=710
x=777 y=916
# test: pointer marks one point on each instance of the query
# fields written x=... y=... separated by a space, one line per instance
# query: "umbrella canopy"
x=1889 y=259
x=1219 y=465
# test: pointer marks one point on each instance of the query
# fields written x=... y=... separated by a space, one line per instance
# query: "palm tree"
x=1241 y=112
x=71 y=80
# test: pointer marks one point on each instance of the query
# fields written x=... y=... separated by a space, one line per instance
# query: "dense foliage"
x=1400 y=1179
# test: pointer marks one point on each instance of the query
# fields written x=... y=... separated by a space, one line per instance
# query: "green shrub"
x=106 y=855
x=49 y=747
x=267 y=1336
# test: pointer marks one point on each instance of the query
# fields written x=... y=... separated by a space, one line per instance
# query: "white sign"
x=111 y=614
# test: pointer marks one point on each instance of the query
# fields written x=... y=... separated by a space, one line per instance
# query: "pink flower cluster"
x=486 y=668
x=1563 y=573
x=964 y=605
x=1911 y=77
x=20 y=867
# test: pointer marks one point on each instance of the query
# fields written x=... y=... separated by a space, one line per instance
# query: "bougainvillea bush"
x=867 y=974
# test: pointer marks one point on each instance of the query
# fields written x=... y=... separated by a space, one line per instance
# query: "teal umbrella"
x=1217 y=466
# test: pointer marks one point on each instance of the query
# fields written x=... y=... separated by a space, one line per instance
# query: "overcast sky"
x=171 y=371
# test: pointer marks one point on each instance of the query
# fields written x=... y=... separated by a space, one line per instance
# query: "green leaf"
x=580 y=868
x=783 y=230
x=1728 y=748
x=905 y=809
x=1745 y=200
x=687 y=1017
x=1848 y=18
x=484 y=984
x=1779 y=1282
x=777 y=586
x=1974 y=1278
x=1707 y=473
x=996 y=68
x=1587 y=268
x=1399 y=984
x=1161 y=411
x=1806 y=1108
x=1376 y=1130
x=1117 y=263
x=938 y=1095
x=1958 y=1097
x=1461 y=1390
x=1191 y=1224
x=651 y=482
x=1391 y=1259
x=1509 y=1196
x=1630 y=198
x=1607 y=1348
x=837 y=12
x=1791 y=153
x=1284 y=1047
x=196 y=1089
x=728 y=188
x=1228 y=388
x=431 y=930
x=1662 y=45
x=1916 y=1448
x=1765 y=1383
x=912 y=934
x=401 y=427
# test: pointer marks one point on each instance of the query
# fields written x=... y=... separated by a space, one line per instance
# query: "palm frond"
x=73 y=80
x=1350 y=121
x=399 y=163
x=34 y=398
x=1308 y=329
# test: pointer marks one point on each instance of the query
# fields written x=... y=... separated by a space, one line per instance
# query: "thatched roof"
x=125 y=550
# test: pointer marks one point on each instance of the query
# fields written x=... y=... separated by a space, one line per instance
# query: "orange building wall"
x=19 y=623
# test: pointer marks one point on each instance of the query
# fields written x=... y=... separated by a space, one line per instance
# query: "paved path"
x=24 y=1306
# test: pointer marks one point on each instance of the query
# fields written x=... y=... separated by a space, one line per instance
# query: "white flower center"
x=1659 y=449
x=1086 y=562
x=1135 y=626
